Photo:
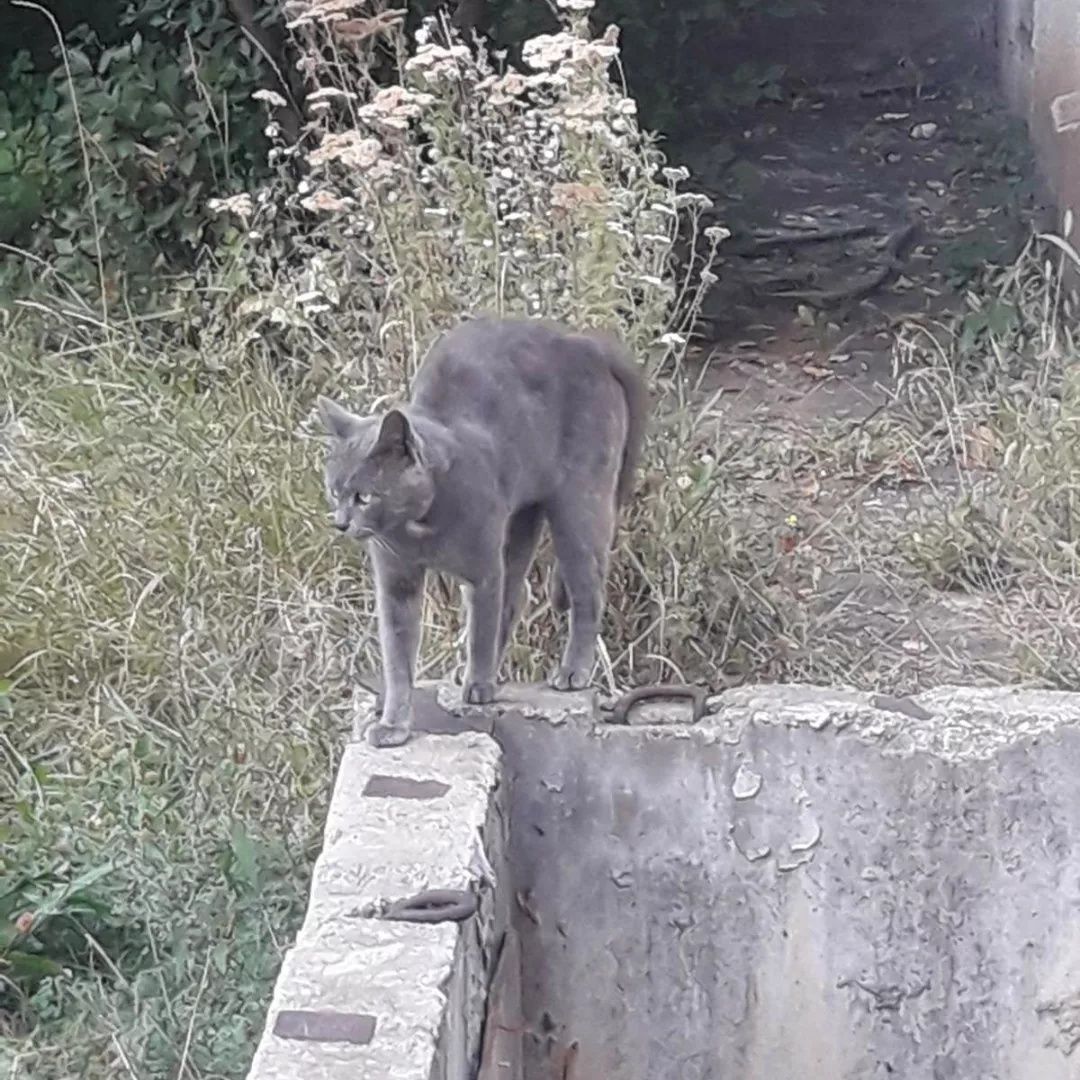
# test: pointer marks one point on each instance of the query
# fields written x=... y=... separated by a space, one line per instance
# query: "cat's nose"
x=341 y=526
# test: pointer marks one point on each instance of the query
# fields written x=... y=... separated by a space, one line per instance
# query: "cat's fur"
x=511 y=423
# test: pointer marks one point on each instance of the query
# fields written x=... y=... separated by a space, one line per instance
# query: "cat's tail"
x=632 y=383
x=628 y=375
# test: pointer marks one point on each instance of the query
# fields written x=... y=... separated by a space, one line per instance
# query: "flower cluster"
x=474 y=185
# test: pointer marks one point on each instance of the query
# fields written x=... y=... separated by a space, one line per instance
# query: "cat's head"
x=380 y=477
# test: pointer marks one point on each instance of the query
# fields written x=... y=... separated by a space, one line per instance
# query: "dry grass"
x=936 y=541
x=179 y=633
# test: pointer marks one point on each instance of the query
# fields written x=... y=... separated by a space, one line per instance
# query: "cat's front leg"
x=399 y=594
x=485 y=599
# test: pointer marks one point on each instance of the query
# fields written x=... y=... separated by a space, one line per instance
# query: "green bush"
x=107 y=162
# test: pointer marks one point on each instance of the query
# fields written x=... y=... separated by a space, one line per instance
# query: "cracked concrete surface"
x=807 y=883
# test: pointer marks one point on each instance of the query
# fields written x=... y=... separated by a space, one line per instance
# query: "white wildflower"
x=506 y=89
x=672 y=340
x=547 y=51
x=330 y=93
x=693 y=199
x=271 y=97
x=325 y=11
x=676 y=175
x=595 y=53
x=715 y=234
x=326 y=202
x=544 y=80
x=684 y=482
x=436 y=62
x=240 y=205
x=394 y=106
x=576 y=5
x=383 y=169
x=348 y=147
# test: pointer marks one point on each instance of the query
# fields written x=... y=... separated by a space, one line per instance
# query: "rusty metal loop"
x=433 y=906
x=619 y=712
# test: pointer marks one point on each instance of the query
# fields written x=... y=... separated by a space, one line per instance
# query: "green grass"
x=177 y=629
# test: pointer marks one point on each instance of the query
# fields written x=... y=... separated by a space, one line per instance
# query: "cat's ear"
x=339 y=422
x=395 y=436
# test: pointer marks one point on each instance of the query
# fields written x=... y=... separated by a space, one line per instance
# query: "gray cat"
x=511 y=423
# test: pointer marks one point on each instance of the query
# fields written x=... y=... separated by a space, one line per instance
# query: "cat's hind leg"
x=582 y=528
x=519 y=549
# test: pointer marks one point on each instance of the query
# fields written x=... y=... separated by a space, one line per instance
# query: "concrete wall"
x=420 y=989
x=807 y=885
x=1039 y=43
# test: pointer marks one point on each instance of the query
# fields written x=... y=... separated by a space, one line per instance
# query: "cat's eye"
x=359 y=500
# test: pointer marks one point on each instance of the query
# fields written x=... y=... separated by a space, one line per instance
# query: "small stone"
x=747 y=783
x=808 y=834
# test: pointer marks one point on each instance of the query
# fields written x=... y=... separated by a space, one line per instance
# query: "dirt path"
x=862 y=207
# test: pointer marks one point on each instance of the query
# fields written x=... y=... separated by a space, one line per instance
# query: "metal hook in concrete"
x=619 y=712
x=433 y=906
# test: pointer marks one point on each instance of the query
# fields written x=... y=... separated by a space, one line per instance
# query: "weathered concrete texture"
x=425 y=985
x=803 y=886
x=1039 y=43
x=807 y=885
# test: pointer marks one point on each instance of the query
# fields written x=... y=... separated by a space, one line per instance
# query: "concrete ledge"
x=401 y=821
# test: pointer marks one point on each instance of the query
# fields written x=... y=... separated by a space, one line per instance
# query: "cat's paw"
x=569 y=678
x=380 y=734
x=478 y=693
